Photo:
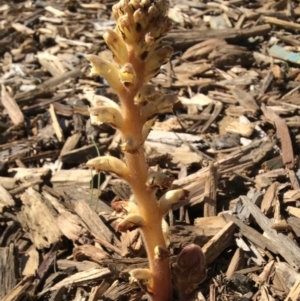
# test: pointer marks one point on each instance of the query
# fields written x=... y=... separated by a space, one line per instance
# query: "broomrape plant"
x=138 y=56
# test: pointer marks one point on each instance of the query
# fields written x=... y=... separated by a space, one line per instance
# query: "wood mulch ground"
x=233 y=142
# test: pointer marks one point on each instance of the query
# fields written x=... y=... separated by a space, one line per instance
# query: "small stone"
x=218 y=22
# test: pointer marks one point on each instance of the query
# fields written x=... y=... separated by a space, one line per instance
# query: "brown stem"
x=145 y=198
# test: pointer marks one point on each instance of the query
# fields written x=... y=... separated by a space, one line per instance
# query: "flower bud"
x=143 y=277
x=140 y=17
x=144 y=274
x=121 y=8
x=147 y=128
x=127 y=29
x=107 y=70
x=154 y=12
x=125 y=206
x=117 y=46
x=158 y=58
x=130 y=222
x=149 y=39
x=127 y=74
x=148 y=93
x=100 y=100
x=163 y=29
x=105 y=114
x=146 y=45
x=110 y=164
x=135 y=3
x=170 y=198
x=158 y=106
x=159 y=180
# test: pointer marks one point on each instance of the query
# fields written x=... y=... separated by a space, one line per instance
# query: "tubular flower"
x=105 y=69
x=106 y=114
x=116 y=44
x=109 y=163
x=130 y=222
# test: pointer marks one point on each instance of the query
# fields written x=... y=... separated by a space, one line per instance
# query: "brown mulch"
x=233 y=142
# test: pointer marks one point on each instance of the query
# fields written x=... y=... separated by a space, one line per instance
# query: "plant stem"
x=152 y=230
x=146 y=200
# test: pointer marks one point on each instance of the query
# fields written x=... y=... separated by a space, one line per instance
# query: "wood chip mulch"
x=233 y=142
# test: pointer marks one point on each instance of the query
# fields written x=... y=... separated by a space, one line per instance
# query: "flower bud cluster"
x=141 y=24
x=140 y=27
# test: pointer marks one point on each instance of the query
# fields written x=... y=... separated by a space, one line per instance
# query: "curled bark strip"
x=284 y=135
